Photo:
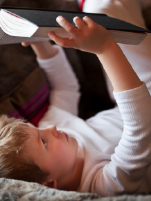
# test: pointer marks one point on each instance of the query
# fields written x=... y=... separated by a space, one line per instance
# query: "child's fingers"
x=25 y=44
x=67 y=26
x=64 y=42
x=88 y=21
x=79 y=23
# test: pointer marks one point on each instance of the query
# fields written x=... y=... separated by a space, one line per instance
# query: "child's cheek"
x=61 y=148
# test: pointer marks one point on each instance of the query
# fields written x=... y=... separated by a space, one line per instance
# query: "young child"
x=108 y=154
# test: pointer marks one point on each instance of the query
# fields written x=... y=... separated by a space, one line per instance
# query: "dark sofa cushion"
x=29 y=99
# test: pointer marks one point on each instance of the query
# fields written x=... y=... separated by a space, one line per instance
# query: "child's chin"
x=75 y=141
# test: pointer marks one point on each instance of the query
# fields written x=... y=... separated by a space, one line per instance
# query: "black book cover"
x=47 y=18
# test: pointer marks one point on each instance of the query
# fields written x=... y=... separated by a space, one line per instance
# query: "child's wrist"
x=44 y=50
x=108 y=44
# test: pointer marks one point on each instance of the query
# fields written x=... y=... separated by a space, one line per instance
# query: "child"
x=108 y=154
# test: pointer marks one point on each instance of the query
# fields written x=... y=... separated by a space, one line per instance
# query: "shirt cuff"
x=45 y=63
x=132 y=93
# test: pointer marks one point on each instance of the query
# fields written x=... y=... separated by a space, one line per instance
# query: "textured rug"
x=14 y=190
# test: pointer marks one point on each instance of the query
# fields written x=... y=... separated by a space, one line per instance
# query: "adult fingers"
x=67 y=26
x=79 y=22
x=64 y=42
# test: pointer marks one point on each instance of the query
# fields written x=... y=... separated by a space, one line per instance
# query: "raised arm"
x=91 y=37
x=131 y=160
x=63 y=82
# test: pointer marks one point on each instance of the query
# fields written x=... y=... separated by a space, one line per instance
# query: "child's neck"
x=74 y=182
x=80 y=164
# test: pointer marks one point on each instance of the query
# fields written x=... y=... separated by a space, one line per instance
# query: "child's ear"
x=50 y=184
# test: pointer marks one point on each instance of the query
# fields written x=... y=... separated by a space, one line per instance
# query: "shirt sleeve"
x=63 y=82
x=132 y=157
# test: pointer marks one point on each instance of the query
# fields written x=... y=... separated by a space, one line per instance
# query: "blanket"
x=20 y=190
x=14 y=190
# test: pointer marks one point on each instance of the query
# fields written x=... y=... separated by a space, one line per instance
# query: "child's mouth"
x=66 y=136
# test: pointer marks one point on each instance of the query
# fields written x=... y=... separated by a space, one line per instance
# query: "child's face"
x=52 y=152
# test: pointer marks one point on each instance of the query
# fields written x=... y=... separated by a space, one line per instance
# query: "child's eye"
x=43 y=142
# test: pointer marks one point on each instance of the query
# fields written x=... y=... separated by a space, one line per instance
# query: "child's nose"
x=53 y=130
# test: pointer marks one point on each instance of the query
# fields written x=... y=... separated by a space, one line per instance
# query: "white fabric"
x=116 y=142
x=64 y=85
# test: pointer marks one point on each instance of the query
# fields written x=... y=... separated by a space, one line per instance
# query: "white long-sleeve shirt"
x=116 y=142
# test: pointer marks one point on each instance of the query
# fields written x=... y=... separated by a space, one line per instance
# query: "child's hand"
x=25 y=44
x=88 y=36
x=43 y=49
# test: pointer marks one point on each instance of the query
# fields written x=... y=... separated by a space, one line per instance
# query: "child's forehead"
x=31 y=130
x=33 y=139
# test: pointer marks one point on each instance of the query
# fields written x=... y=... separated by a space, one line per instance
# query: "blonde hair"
x=13 y=137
